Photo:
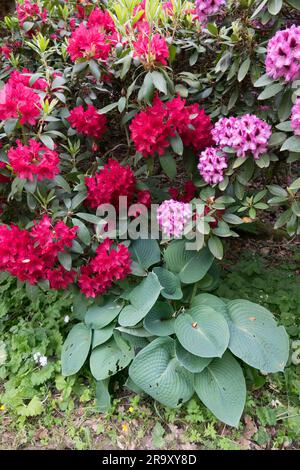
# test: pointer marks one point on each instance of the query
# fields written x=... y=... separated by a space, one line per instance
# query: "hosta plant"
x=137 y=138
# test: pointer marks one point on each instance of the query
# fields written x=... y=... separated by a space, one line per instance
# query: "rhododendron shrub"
x=188 y=112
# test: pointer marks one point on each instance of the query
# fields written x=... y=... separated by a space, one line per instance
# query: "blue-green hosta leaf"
x=255 y=337
x=146 y=252
x=98 y=317
x=190 y=361
x=170 y=283
x=159 y=321
x=75 y=349
x=142 y=299
x=212 y=301
x=103 y=396
x=190 y=265
x=222 y=388
x=202 y=331
x=101 y=336
x=108 y=359
x=156 y=370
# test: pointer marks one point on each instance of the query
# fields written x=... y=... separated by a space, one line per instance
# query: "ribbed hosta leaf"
x=212 y=301
x=221 y=387
x=103 y=335
x=191 y=266
x=108 y=359
x=170 y=283
x=99 y=317
x=255 y=336
x=146 y=252
x=156 y=370
x=75 y=349
x=159 y=321
x=142 y=299
x=202 y=331
x=190 y=361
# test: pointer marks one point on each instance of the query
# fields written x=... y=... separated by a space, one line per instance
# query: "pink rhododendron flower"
x=151 y=50
x=33 y=160
x=111 y=182
x=88 y=43
x=19 y=102
x=206 y=8
x=102 y=20
x=29 y=10
x=32 y=255
x=246 y=135
x=108 y=266
x=16 y=78
x=295 y=118
x=211 y=165
x=88 y=122
x=172 y=217
x=283 y=54
x=152 y=128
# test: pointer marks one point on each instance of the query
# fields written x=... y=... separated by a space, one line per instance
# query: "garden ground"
x=63 y=414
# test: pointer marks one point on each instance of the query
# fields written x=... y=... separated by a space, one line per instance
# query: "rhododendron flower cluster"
x=283 y=54
x=93 y=39
x=33 y=160
x=108 y=266
x=295 y=118
x=151 y=50
x=245 y=134
x=111 y=182
x=152 y=128
x=206 y=8
x=32 y=255
x=19 y=100
x=172 y=217
x=211 y=165
x=29 y=10
x=88 y=122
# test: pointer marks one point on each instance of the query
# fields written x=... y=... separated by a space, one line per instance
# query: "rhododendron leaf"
x=255 y=337
x=202 y=331
x=82 y=232
x=108 y=359
x=168 y=164
x=189 y=361
x=146 y=252
x=9 y=126
x=156 y=370
x=97 y=317
x=222 y=388
x=103 y=335
x=170 y=283
x=176 y=144
x=190 y=265
x=93 y=66
x=147 y=89
x=108 y=108
x=160 y=321
x=243 y=70
x=75 y=349
x=292 y=144
x=263 y=81
x=215 y=246
x=48 y=141
x=65 y=260
x=270 y=90
x=159 y=81
x=274 y=6
x=142 y=299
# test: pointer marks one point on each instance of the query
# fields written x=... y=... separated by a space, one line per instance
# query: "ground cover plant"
x=137 y=140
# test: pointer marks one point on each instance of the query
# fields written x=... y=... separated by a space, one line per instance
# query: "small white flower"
x=67 y=319
x=43 y=361
x=36 y=357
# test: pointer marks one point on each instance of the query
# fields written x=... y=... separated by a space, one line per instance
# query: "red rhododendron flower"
x=108 y=266
x=111 y=182
x=32 y=160
x=151 y=50
x=30 y=11
x=6 y=51
x=88 y=43
x=152 y=129
x=31 y=254
x=19 y=102
x=102 y=20
x=60 y=278
x=188 y=193
x=16 y=78
x=89 y=122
